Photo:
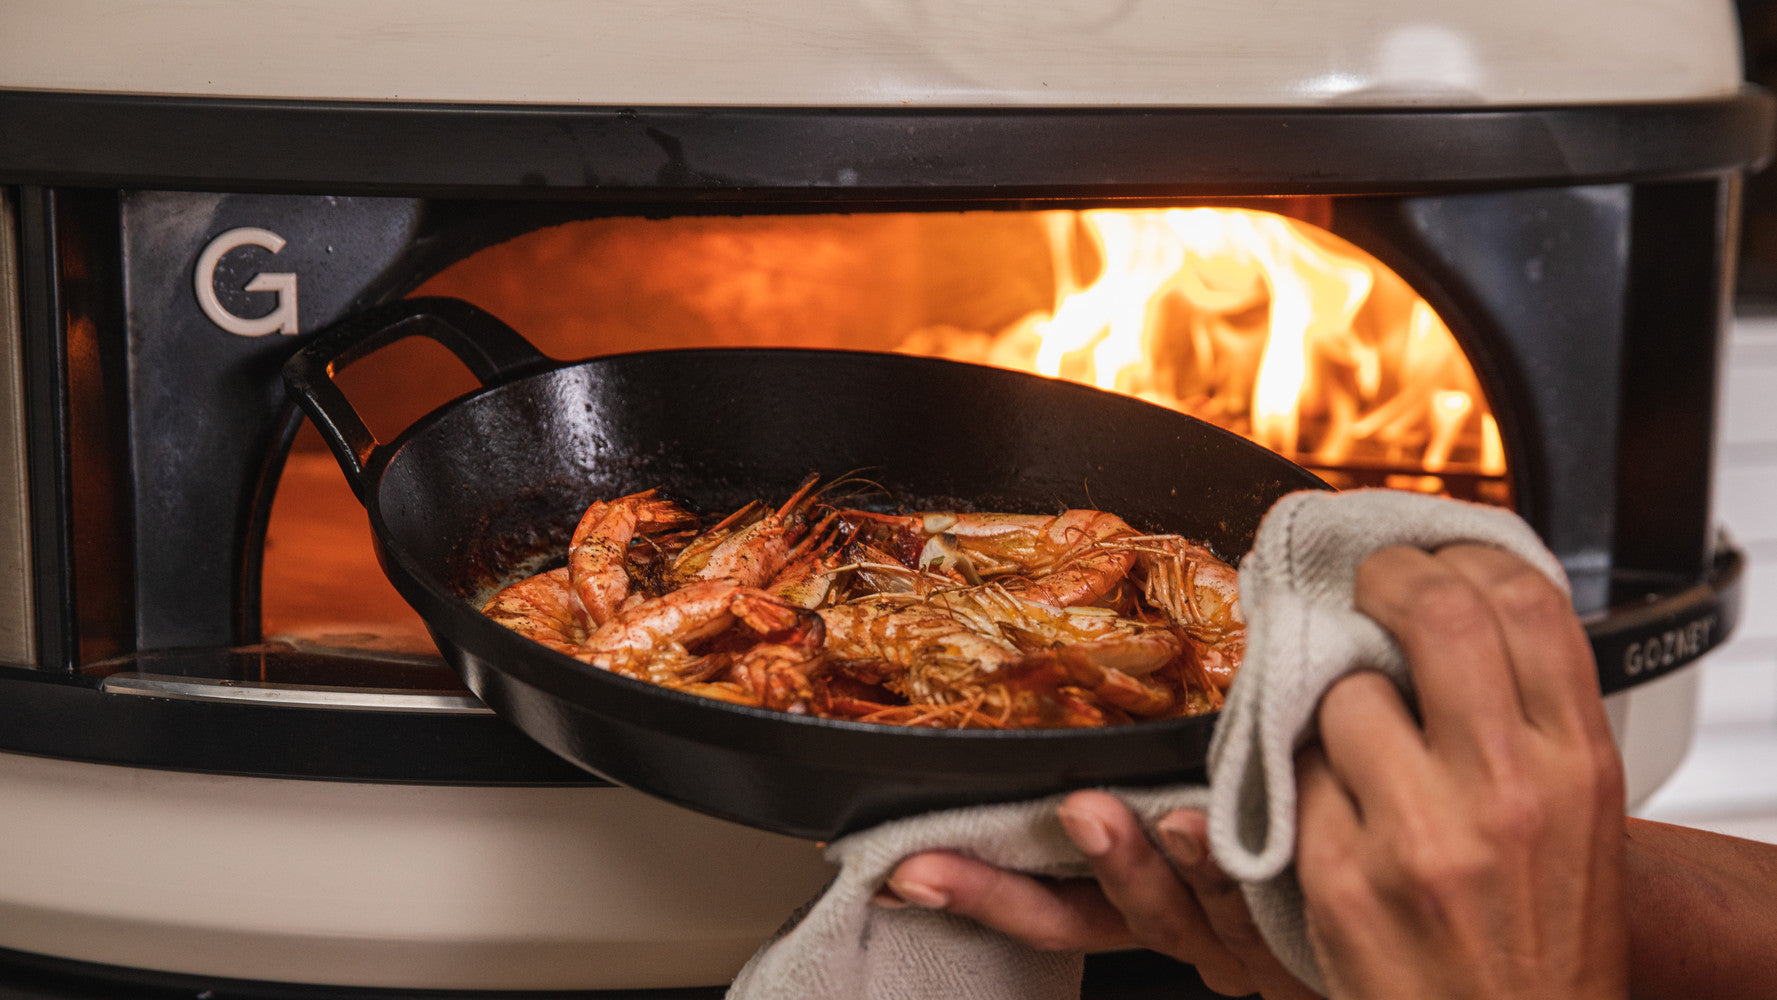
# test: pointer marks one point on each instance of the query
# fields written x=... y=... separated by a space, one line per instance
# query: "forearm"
x=1702 y=912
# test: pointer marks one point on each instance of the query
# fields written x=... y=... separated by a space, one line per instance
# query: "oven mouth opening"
x=1261 y=321
x=919 y=282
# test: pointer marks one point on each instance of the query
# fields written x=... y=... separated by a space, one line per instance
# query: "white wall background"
x=1729 y=781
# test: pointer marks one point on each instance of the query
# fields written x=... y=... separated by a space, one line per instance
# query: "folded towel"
x=1296 y=588
x=1302 y=636
x=841 y=946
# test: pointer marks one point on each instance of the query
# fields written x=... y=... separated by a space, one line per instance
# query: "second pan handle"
x=492 y=351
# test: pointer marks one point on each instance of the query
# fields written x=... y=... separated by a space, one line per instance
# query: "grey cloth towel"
x=1302 y=635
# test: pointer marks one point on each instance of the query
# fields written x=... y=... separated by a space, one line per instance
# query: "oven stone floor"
x=1729 y=781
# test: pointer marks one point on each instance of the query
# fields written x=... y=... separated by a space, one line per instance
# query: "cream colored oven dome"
x=889 y=53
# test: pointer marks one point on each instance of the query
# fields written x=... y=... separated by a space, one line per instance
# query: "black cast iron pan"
x=490 y=486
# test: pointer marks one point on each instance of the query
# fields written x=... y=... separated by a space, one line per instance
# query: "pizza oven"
x=1484 y=253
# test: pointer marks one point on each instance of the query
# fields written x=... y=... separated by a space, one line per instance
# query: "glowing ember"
x=1265 y=325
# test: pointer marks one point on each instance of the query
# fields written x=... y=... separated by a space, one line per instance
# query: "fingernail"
x=1185 y=848
x=1087 y=831
x=886 y=899
x=920 y=894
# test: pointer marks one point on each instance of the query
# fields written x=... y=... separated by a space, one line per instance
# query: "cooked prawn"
x=1197 y=591
x=650 y=639
x=1063 y=561
x=775 y=673
x=600 y=544
x=1099 y=634
x=688 y=564
x=808 y=577
x=758 y=552
x=935 y=655
x=541 y=608
x=949 y=656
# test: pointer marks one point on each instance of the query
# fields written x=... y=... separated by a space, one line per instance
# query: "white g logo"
x=282 y=318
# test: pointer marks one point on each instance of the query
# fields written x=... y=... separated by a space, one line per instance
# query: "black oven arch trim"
x=858 y=154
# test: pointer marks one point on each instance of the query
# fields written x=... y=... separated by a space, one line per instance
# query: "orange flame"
x=1263 y=324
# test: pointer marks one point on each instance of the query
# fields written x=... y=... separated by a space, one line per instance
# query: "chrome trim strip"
x=292 y=695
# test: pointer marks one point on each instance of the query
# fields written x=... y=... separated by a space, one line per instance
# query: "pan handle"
x=492 y=351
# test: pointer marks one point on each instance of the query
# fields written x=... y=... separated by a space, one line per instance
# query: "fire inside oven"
x=1257 y=319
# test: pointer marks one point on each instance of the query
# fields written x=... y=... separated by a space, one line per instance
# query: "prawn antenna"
x=830 y=494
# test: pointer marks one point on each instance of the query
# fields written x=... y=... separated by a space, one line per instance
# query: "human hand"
x=1479 y=854
x=1172 y=899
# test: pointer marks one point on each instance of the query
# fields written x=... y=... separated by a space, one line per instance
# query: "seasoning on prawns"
x=932 y=618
